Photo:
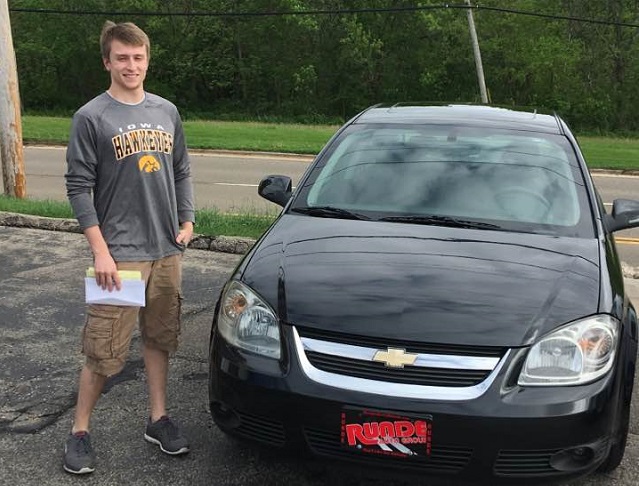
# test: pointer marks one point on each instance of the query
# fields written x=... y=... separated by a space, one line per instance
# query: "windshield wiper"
x=442 y=221
x=329 y=212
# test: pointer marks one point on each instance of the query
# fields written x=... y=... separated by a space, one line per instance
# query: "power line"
x=245 y=14
x=323 y=12
x=557 y=17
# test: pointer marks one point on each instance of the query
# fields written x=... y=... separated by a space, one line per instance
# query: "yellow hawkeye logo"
x=395 y=358
x=148 y=163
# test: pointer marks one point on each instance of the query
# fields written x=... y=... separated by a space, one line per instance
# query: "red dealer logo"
x=386 y=434
x=371 y=433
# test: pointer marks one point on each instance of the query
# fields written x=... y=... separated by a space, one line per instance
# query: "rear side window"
x=519 y=180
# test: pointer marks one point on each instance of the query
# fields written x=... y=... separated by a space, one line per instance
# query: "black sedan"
x=440 y=294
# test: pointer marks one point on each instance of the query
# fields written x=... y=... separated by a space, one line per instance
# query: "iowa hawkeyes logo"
x=148 y=163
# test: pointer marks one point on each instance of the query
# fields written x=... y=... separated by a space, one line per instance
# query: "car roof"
x=462 y=115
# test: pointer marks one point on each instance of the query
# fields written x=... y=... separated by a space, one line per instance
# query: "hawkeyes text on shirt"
x=142 y=138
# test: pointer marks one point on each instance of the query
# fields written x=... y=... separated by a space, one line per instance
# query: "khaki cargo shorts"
x=108 y=330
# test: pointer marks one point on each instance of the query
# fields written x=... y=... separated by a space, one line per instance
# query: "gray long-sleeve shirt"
x=128 y=171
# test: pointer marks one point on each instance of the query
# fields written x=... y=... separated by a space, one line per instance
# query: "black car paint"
x=573 y=278
x=476 y=287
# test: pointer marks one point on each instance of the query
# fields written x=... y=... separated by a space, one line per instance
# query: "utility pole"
x=478 y=64
x=11 y=151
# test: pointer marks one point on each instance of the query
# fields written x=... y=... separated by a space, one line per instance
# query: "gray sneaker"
x=167 y=435
x=79 y=457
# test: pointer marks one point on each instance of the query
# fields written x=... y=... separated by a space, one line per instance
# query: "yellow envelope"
x=124 y=274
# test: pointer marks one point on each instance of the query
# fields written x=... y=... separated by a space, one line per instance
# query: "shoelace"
x=170 y=429
x=82 y=444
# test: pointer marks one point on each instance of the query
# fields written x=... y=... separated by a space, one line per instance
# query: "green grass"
x=209 y=222
x=262 y=137
x=51 y=209
x=610 y=153
x=214 y=223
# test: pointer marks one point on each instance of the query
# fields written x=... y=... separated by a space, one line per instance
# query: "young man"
x=127 y=147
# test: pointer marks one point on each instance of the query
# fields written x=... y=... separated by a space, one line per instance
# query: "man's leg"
x=156 y=363
x=90 y=388
x=105 y=342
x=79 y=457
x=160 y=328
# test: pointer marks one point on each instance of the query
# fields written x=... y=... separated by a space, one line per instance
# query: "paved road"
x=41 y=314
x=225 y=181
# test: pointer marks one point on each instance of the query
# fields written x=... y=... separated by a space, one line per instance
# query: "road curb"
x=222 y=244
x=247 y=153
x=625 y=172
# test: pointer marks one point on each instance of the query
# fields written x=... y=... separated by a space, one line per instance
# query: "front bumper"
x=505 y=434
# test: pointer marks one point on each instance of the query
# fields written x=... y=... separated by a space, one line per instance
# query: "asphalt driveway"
x=41 y=314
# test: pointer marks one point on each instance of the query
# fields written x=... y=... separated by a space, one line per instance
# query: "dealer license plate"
x=386 y=433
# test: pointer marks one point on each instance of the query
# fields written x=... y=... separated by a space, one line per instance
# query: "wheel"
x=523 y=203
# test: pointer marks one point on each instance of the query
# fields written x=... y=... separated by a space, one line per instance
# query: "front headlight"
x=247 y=322
x=575 y=354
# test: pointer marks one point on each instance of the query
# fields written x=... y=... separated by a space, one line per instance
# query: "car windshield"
x=433 y=174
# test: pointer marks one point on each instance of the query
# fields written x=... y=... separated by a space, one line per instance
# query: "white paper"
x=131 y=293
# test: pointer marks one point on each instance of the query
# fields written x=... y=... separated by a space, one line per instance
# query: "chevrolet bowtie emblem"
x=395 y=358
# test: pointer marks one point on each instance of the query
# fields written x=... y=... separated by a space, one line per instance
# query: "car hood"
x=423 y=283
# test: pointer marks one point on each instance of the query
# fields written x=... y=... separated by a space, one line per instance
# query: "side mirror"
x=625 y=214
x=276 y=188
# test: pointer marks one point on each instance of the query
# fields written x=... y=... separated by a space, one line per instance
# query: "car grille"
x=412 y=375
x=442 y=459
x=524 y=463
x=261 y=429
x=514 y=463
x=424 y=348
x=435 y=366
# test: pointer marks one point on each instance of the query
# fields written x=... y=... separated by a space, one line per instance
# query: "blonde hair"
x=125 y=32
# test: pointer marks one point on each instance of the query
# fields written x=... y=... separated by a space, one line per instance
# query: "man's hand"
x=185 y=234
x=106 y=272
